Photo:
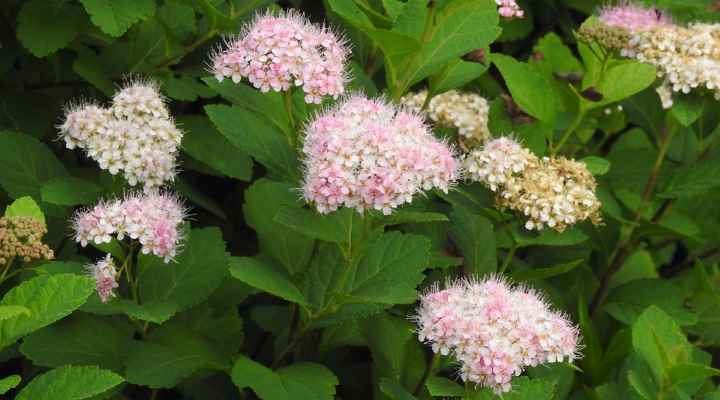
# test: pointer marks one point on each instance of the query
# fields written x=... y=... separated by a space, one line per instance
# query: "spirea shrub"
x=359 y=199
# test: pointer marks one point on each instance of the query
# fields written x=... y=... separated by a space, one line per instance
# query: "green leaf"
x=405 y=217
x=70 y=383
x=45 y=26
x=271 y=104
x=548 y=237
x=475 y=237
x=593 y=351
x=90 y=67
x=257 y=136
x=621 y=81
x=48 y=297
x=530 y=389
x=461 y=27
x=197 y=271
x=70 y=191
x=173 y=352
x=443 y=387
x=203 y=142
x=299 y=381
x=625 y=303
x=555 y=56
x=456 y=74
x=596 y=165
x=81 y=339
x=337 y=227
x=687 y=108
x=27 y=165
x=263 y=200
x=682 y=373
x=8 y=383
x=411 y=21
x=658 y=340
x=116 y=17
x=391 y=269
x=693 y=179
x=528 y=87
x=265 y=277
x=394 y=390
x=25 y=207
x=186 y=88
x=7 y=312
x=533 y=274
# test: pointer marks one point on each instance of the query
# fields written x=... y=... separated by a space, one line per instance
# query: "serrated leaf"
x=82 y=339
x=27 y=165
x=475 y=237
x=45 y=26
x=549 y=237
x=116 y=17
x=340 y=226
x=203 y=142
x=8 y=383
x=621 y=81
x=391 y=269
x=299 y=381
x=544 y=273
x=49 y=298
x=262 y=201
x=258 y=137
x=197 y=271
x=170 y=353
x=456 y=74
x=70 y=191
x=70 y=383
x=461 y=27
x=25 y=207
x=693 y=179
x=394 y=390
x=658 y=340
x=441 y=387
x=7 y=312
x=682 y=373
x=625 y=303
x=265 y=277
x=528 y=87
x=596 y=165
x=687 y=108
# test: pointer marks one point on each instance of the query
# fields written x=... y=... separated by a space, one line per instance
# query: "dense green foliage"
x=270 y=299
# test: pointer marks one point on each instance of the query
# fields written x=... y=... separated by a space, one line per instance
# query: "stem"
x=289 y=109
x=429 y=371
x=633 y=240
x=508 y=258
x=570 y=129
x=290 y=346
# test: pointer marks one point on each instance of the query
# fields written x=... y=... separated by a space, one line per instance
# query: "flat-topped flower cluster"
x=466 y=111
x=135 y=135
x=154 y=219
x=550 y=191
x=494 y=330
x=369 y=154
x=277 y=52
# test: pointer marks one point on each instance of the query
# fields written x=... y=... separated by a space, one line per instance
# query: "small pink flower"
x=494 y=330
x=509 y=9
x=105 y=275
x=633 y=17
x=152 y=218
x=279 y=52
x=368 y=154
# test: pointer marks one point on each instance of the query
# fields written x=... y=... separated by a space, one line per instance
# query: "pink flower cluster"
x=368 y=154
x=633 y=17
x=152 y=218
x=509 y=9
x=278 y=52
x=135 y=135
x=494 y=330
x=105 y=276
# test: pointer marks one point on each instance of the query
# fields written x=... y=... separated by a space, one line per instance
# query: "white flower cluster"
x=135 y=135
x=494 y=330
x=468 y=112
x=687 y=57
x=553 y=192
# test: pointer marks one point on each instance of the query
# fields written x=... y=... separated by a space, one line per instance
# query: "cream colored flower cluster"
x=551 y=192
x=688 y=57
x=468 y=112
